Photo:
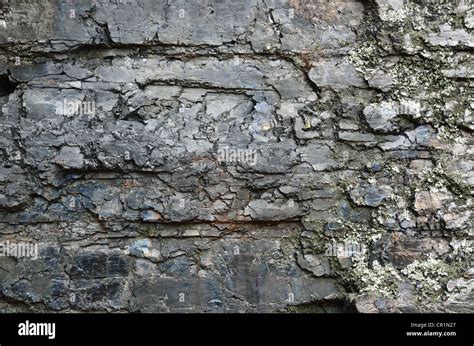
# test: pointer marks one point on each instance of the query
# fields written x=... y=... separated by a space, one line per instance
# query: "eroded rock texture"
x=195 y=156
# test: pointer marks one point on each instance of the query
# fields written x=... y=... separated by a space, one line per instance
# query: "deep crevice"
x=7 y=86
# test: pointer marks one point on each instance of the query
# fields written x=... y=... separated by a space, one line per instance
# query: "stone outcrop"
x=236 y=156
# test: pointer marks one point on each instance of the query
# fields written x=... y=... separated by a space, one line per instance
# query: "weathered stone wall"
x=236 y=155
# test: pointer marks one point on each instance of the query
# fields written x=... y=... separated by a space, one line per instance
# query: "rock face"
x=235 y=156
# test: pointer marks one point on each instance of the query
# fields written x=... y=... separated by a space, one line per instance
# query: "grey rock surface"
x=235 y=156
